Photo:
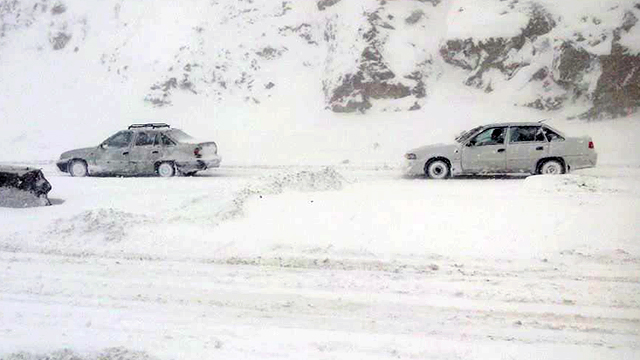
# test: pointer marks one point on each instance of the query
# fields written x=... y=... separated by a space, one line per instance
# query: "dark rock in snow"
x=323 y=4
x=414 y=17
x=372 y=78
x=492 y=53
x=572 y=64
x=617 y=92
x=58 y=9
x=59 y=40
x=23 y=187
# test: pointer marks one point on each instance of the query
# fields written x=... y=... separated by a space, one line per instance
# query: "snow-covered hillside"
x=307 y=243
x=267 y=79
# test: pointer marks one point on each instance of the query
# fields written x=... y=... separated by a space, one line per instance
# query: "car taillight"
x=591 y=145
x=196 y=152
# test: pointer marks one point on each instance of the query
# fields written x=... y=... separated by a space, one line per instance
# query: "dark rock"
x=59 y=40
x=58 y=9
x=548 y=103
x=572 y=63
x=323 y=4
x=481 y=56
x=415 y=16
x=270 y=53
x=23 y=187
x=540 y=74
x=629 y=21
x=433 y=2
x=618 y=90
x=372 y=79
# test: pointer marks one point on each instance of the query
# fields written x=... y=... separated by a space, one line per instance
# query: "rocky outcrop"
x=323 y=4
x=617 y=92
x=480 y=56
x=561 y=68
x=372 y=78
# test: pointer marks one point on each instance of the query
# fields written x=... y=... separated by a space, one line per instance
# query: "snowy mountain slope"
x=268 y=79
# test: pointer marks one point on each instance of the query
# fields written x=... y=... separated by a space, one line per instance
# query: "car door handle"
x=501 y=150
x=154 y=152
x=540 y=148
x=125 y=153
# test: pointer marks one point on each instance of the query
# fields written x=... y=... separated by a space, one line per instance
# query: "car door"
x=113 y=156
x=486 y=151
x=145 y=152
x=526 y=145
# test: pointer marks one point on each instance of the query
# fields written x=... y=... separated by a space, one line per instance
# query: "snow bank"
x=15 y=198
x=106 y=354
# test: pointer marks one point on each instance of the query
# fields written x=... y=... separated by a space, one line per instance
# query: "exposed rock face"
x=323 y=4
x=618 y=89
x=480 y=56
x=380 y=54
x=371 y=77
x=561 y=68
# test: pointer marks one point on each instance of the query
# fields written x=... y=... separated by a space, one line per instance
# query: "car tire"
x=78 y=168
x=166 y=169
x=437 y=169
x=551 y=167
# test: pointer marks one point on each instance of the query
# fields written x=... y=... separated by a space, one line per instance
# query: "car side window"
x=164 y=140
x=145 y=139
x=121 y=139
x=525 y=134
x=552 y=135
x=491 y=136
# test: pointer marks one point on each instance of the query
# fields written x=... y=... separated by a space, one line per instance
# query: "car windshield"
x=465 y=135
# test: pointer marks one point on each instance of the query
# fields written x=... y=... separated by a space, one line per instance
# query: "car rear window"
x=179 y=135
x=525 y=134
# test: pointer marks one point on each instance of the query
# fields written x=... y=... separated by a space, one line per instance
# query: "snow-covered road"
x=326 y=263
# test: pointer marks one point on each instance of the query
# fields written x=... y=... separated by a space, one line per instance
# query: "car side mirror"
x=103 y=146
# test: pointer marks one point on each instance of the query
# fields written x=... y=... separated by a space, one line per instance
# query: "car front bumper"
x=63 y=165
x=413 y=168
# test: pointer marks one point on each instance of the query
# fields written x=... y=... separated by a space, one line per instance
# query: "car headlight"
x=410 y=156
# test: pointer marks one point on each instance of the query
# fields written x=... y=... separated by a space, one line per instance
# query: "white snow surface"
x=320 y=262
x=307 y=242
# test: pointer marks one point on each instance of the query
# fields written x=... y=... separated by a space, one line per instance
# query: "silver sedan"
x=503 y=148
x=153 y=148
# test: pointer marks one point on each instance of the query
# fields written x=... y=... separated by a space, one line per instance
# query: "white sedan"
x=503 y=148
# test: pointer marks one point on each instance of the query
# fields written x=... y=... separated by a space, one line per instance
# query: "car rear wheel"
x=551 y=167
x=437 y=169
x=78 y=168
x=166 y=169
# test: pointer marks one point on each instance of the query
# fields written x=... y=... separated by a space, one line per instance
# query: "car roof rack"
x=148 y=125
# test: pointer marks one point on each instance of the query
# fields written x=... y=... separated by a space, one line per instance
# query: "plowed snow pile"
x=14 y=198
x=106 y=354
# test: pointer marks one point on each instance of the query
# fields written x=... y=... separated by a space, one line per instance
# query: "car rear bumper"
x=197 y=165
x=583 y=161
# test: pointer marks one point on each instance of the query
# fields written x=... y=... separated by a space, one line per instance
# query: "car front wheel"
x=551 y=167
x=437 y=169
x=166 y=169
x=78 y=168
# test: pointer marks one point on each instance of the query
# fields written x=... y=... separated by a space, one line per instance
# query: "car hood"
x=435 y=149
x=83 y=152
